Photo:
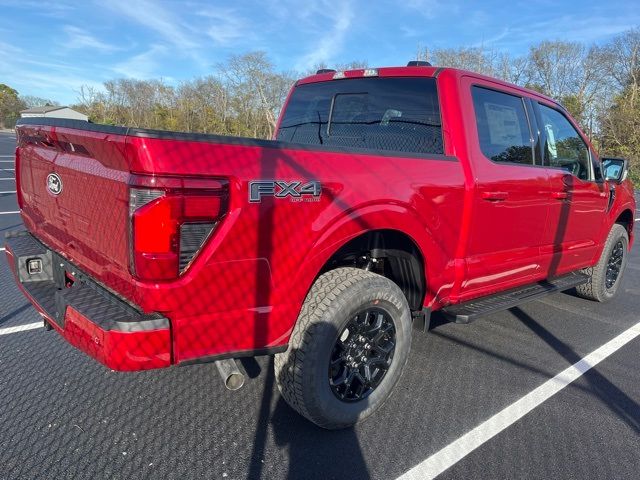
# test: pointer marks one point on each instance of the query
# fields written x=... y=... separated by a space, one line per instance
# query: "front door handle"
x=560 y=195
x=495 y=196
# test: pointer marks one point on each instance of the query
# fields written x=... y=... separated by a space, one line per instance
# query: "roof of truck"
x=364 y=72
x=431 y=71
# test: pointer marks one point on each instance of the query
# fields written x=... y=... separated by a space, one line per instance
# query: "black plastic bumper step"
x=48 y=289
x=474 y=309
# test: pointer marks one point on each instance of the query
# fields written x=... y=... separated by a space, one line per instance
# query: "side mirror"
x=615 y=169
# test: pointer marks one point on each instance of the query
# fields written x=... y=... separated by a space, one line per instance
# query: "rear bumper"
x=87 y=315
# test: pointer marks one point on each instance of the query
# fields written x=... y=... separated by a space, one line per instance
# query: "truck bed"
x=244 y=288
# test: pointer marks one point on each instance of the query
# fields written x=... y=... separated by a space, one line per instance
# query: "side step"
x=472 y=310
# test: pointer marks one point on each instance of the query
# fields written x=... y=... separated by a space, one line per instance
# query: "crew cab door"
x=509 y=207
x=578 y=199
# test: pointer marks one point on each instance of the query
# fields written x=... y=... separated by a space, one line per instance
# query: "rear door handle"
x=494 y=196
x=560 y=195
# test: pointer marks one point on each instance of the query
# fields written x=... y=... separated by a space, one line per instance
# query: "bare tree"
x=620 y=123
x=572 y=73
x=32 y=101
x=257 y=88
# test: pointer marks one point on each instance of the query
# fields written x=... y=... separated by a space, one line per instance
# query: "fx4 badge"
x=296 y=191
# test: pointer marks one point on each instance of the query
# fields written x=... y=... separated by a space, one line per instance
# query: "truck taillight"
x=17 y=166
x=170 y=220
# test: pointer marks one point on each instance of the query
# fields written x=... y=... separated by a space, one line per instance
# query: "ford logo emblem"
x=54 y=183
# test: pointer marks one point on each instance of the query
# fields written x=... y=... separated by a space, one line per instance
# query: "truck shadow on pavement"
x=623 y=406
x=317 y=453
x=312 y=452
x=15 y=313
x=307 y=443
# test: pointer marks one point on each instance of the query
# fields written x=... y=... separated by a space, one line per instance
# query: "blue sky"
x=50 y=49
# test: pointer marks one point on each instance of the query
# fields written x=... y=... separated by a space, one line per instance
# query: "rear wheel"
x=606 y=275
x=348 y=348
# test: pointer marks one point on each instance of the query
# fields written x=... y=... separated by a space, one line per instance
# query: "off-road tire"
x=595 y=288
x=302 y=370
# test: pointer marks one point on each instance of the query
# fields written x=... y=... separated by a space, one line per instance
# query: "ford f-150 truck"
x=386 y=194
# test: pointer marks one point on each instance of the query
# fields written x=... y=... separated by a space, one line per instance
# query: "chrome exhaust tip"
x=231 y=375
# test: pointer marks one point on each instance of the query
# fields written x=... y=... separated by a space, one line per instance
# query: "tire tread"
x=289 y=365
x=594 y=288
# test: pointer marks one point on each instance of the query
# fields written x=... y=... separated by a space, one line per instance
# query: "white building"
x=53 y=111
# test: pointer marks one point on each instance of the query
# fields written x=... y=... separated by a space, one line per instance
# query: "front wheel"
x=348 y=348
x=605 y=277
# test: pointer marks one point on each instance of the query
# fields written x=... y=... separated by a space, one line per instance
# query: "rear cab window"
x=503 y=126
x=390 y=114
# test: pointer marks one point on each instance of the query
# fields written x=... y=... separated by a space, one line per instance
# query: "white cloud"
x=583 y=29
x=58 y=9
x=520 y=37
x=331 y=42
x=485 y=42
x=58 y=81
x=79 y=38
x=166 y=23
x=142 y=65
x=155 y=17
x=226 y=27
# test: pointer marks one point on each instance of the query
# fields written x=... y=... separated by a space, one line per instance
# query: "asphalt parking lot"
x=62 y=415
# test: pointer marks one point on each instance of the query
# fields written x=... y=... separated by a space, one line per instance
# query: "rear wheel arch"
x=337 y=232
x=390 y=253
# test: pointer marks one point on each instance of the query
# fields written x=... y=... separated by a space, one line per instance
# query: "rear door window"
x=503 y=126
x=391 y=114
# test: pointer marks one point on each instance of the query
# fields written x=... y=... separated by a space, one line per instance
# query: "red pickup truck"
x=386 y=194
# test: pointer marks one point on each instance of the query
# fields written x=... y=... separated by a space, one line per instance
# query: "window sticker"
x=504 y=128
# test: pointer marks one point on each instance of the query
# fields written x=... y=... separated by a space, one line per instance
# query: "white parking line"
x=9 y=213
x=7 y=178
x=463 y=446
x=8 y=191
x=20 y=328
x=7 y=161
x=2 y=249
x=7 y=156
x=7 y=169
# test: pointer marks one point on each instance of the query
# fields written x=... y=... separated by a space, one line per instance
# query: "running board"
x=472 y=310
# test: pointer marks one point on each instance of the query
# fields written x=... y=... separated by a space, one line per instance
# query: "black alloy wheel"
x=614 y=265
x=348 y=348
x=362 y=354
x=604 y=278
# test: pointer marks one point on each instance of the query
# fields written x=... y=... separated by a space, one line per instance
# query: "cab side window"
x=503 y=127
x=564 y=148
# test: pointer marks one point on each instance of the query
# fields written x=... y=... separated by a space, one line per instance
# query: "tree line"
x=11 y=103
x=598 y=84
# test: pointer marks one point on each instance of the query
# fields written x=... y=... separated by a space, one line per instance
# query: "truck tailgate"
x=72 y=190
